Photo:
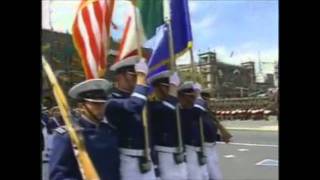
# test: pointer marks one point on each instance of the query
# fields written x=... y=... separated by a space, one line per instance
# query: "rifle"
x=226 y=135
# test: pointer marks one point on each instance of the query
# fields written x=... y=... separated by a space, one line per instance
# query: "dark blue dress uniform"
x=54 y=123
x=118 y=94
x=209 y=128
x=168 y=158
x=124 y=111
x=210 y=136
x=100 y=139
x=51 y=123
x=44 y=120
x=162 y=115
x=196 y=160
x=190 y=119
x=102 y=146
x=190 y=124
x=47 y=122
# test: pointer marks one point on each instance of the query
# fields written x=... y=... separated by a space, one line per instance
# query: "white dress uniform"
x=213 y=161
x=129 y=169
x=195 y=171
x=169 y=169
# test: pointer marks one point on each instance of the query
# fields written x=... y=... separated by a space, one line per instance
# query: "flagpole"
x=173 y=69
x=146 y=165
x=194 y=79
x=192 y=63
x=171 y=46
x=200 y=120
x=106 y=43
x=137 y=32
x=86 y=166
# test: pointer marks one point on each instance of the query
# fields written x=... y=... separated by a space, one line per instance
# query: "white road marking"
x=267 y=162
x=229 y=156
x=248 y=144
x=242 y=150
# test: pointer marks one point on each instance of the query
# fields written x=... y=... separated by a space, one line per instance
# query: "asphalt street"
x=252 y=155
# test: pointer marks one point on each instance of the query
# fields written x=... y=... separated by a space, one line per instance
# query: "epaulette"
x=61 y=130
x=153 y=97
x=150 y=98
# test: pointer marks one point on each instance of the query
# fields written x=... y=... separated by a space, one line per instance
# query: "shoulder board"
x=61 y=130
x=153 y=97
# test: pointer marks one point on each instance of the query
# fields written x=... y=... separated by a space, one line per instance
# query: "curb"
x=251 y=129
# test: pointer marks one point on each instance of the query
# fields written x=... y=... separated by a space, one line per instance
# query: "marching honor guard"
x=166 y=123
x=193 y=133
x=210 y=130
x=124 y=109
x=99 y=135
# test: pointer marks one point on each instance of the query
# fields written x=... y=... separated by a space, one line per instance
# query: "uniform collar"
x=105 y=121
x=86 y=122
x=117 y=93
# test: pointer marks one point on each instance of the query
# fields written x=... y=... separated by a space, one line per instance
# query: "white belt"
x=166 y=149
x=193 y=148
x=133 y=152
x=207 y=144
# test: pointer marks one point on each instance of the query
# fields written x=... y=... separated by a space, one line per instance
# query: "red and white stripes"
x=90 y=35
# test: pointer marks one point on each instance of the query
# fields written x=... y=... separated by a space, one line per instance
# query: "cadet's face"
x=56 y=114
x=162 y=91
x=96 y=108
x=127 y=80
x=132 y=79
x=187 y=101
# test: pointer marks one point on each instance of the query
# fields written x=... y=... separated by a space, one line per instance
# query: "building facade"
x=276 y=75
x=224 y=80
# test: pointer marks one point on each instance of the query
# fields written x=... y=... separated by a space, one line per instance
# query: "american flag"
x=91 y=31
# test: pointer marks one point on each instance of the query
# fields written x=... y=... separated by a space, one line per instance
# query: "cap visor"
x=95 y=100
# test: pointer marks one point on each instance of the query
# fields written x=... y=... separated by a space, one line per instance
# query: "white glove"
x=197 y=87
x=174 y=79
x=141 y=67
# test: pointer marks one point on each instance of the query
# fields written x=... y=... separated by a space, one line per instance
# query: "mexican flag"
x=151 y=15
x=145 y=16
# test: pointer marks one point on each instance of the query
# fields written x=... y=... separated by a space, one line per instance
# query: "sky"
x=248 y=29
